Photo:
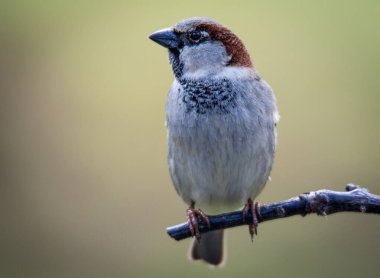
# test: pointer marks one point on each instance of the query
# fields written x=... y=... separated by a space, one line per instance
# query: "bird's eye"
x=195 y=36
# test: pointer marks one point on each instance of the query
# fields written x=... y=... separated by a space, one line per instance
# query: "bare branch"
x=321 y=202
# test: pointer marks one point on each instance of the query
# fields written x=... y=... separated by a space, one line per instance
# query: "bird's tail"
x=209 y=248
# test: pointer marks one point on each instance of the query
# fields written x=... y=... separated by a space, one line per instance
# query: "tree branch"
x=321 y=202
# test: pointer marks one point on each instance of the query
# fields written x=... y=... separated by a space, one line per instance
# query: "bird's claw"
x=193 y=216
x=254 y=208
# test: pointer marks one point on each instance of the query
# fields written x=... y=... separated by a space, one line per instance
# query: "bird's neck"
x=226 y=72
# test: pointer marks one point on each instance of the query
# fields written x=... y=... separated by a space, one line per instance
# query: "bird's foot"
x=254 y=208
x=193 y=217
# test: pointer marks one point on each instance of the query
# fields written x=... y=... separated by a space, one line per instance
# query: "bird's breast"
x=203 y=96
x=220 y=150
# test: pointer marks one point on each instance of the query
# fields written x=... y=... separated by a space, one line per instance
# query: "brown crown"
x=235 y=48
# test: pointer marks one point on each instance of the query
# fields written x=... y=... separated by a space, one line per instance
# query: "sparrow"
x=221 y=119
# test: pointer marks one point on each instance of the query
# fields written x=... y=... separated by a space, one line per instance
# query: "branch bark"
x=321 y=202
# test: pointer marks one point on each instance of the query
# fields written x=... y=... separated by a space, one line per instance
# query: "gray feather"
x=209 y=248
x=219 y=160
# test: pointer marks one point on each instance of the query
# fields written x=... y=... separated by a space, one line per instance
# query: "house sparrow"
x=221 y=120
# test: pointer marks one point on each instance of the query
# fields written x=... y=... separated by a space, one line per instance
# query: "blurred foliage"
x=85 y=190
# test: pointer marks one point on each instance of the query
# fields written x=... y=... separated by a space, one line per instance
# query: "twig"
x=321 y=202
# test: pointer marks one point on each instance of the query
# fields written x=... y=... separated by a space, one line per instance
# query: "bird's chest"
x=205 y=117
x=207 y=97
x=221 y=140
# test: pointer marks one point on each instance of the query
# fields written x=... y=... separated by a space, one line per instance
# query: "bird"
x=221 y=119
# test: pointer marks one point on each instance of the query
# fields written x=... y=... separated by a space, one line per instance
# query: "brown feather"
x=234 y=46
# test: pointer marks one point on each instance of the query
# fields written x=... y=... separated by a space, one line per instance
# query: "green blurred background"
x=85 y=190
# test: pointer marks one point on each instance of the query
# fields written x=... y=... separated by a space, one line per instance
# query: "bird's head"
x=200 y=46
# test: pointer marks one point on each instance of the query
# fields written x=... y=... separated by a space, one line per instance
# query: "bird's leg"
x=254 y=208
x=193 y=216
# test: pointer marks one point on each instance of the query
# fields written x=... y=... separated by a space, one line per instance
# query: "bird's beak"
x=166 y=38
